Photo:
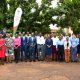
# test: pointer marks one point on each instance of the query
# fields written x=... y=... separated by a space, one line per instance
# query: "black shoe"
x=30 y=60
x=2 y=63
x=25 y=60
x=38 y=60
x=16 y=61
x=52 y=59
x=34 y=60
x=42 y=60
x=71 y=60
x=75 y=61
x=22 y=60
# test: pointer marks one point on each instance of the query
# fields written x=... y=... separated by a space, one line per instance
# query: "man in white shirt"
x=54 y=52
x=40 y=47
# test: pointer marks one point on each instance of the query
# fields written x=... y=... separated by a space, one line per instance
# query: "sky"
x=54 y=3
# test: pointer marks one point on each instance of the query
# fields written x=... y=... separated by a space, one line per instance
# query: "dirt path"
x=40 y=71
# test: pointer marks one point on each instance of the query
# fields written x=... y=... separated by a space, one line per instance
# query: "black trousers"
x=60 y=52
x=17 y=54
x=36 y=51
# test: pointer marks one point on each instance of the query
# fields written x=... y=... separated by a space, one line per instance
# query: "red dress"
x=2 y=49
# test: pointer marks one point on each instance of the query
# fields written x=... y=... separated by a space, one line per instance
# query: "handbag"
x=0 y=48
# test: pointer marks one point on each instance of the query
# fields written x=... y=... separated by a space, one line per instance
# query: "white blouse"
x=67 y=46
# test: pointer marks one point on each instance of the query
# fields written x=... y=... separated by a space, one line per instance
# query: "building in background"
x=53 y=28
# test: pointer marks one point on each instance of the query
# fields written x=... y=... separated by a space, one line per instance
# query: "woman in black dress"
x=78 y=48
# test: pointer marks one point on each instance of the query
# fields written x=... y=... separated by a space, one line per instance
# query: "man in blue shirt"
x=60 y=48
x=74 y=43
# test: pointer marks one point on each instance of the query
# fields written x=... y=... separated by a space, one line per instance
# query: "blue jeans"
x=74 y=53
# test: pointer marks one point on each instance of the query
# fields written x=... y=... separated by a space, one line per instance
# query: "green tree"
x=71 y=11
x=34 y=17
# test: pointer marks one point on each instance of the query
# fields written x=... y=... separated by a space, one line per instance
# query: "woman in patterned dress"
x=9 y=48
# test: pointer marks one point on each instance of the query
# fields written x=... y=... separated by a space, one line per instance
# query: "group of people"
x=32 y=47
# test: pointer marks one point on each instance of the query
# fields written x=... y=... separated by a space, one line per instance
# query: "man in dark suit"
x=32 y=46
x=24 y=45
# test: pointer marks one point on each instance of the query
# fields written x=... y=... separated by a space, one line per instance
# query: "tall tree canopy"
x=69 y=14
x=34 y=17
x=38 y=17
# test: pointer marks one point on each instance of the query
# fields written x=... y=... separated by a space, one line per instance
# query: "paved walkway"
x=40 y=71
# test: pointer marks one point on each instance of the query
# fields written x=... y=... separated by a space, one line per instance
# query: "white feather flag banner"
x=17 y=18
